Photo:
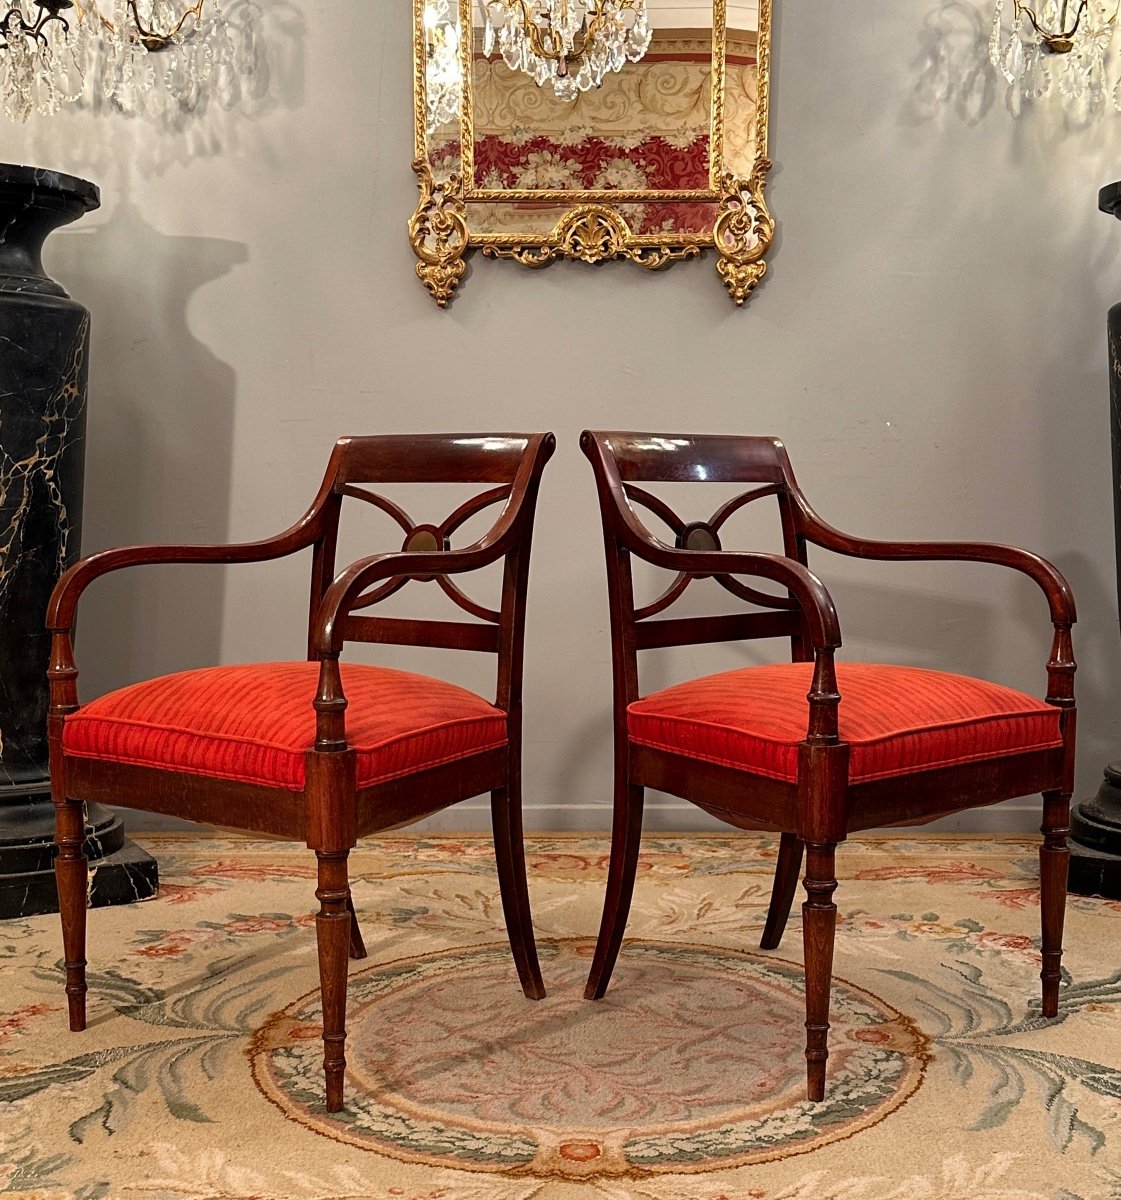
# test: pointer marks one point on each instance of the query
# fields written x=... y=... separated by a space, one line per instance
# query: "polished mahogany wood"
x=817 y=811
x=331 y=812
x=790 y=848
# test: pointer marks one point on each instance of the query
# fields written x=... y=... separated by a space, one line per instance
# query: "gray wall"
x=929 y=343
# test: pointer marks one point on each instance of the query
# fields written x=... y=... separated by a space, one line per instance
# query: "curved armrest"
x=1060 y=598
x=349 y=584
x=68 y=590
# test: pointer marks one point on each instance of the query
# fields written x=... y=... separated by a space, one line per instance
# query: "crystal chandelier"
x=443 y=75
x=571 y=44
x=147 y=56
x=1062 y=44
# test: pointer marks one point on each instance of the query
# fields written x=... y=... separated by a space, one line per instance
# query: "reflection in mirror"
x=443 y=86
x=567 y=46
x=522 y=154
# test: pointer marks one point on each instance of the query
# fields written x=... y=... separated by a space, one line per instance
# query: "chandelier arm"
x=1077 y=18
x=1022 y=10
x=44 y=18
x=591 y=29
x=195 y=10
x=88 y=9
x=581 y=42
x=592 y=26
x=533 y=31
x=35 y=31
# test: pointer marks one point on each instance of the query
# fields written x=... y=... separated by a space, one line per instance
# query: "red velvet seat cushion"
x=255 y=723
x=897 y=719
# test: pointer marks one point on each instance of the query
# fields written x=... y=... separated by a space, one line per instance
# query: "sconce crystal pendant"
x=1061 y=44
x=153 y=57
x=570 y=44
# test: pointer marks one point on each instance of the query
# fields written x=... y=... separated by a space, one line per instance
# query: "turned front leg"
x=1054 y=862
x=72 y=879
x=819 y=920
x=332 y=931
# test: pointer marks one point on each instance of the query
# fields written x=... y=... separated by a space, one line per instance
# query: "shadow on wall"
x=161 y=404
x=952 y=70
x=160 y=426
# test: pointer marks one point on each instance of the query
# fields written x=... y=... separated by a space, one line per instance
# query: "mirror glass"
x=663 y=157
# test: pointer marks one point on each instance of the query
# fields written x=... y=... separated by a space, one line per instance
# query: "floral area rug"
x=199 y=1074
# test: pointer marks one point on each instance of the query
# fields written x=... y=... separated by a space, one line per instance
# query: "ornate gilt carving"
x=592 y=233
x=743 y=231
x=507 y=183
x=438 y=232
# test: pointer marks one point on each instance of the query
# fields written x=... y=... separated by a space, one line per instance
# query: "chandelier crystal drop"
x=570 y=44
x=1060 y=45
x=153 y=58
x=443 y=82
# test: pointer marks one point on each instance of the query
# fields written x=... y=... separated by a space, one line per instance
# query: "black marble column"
x=1095 y=824
x=44 y=346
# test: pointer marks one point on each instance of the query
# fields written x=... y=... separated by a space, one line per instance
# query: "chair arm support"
x=62 y=671
x=812 y=595
x=1061 y=665
x=1060 y=598
x=327 y=634
x=349 y=584
x=68 y=590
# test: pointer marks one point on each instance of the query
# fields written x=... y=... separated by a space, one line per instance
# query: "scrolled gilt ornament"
x=592 y=233
x=743 y=231
x=438 y=232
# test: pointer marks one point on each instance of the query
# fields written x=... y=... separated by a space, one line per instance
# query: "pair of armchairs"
x=326 y=752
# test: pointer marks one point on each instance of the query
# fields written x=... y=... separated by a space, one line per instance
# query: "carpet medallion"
x=199 y=1075
x=694 y=1060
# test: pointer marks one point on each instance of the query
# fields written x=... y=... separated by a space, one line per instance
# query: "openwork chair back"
x=510 y=467
x=623 y=462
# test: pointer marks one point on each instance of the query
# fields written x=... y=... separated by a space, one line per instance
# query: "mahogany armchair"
x=316 y=750
x=814 y=748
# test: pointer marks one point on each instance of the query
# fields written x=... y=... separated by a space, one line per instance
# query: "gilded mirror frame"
x=593 y=225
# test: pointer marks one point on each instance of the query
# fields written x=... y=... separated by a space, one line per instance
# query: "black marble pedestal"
x=44 y=346
x=119 y=870
x=1095 y=840
x=1095 y=824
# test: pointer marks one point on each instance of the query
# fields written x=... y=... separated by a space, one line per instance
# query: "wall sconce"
x=1061 y=43
x=148 y=56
